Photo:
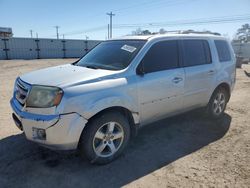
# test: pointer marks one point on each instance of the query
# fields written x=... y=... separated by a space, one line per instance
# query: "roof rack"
x=200 y=32
x=193 y=32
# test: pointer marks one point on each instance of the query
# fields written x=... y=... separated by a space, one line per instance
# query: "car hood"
x=65 y=76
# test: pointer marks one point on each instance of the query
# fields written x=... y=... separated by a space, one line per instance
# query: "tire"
x=217 y=103
x=105 y=138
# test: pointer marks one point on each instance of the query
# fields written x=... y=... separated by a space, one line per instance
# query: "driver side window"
x=161 y=56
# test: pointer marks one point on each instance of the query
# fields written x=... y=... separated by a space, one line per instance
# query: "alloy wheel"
x=219 y=103
x=108 y=139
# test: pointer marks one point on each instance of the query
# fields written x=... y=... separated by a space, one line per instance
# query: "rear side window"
x=196 y=52
x=223 y=50
x=161 y=56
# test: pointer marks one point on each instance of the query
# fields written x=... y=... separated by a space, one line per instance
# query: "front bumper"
x=63 y=131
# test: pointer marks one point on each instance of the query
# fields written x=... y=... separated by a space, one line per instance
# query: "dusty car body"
x=79 y=93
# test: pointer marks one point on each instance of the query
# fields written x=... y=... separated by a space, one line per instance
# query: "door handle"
x=176 y=80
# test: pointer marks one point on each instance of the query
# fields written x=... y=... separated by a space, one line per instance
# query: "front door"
x=160 y=88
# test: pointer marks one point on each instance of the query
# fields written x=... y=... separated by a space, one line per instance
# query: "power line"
x=141 y=4
x=191 y=22
x=130 y=7
x=99 y=28
x=186 y=22
x=156 y=4
x=198 y=19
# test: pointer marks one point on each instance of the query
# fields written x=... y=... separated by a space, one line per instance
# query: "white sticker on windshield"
x=128 y=48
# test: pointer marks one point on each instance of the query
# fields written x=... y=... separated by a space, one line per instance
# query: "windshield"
x=111 y=55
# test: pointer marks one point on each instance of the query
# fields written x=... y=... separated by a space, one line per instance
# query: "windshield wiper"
x=99 y=66
x=92 y=66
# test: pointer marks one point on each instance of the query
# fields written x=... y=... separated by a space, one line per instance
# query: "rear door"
x=160 y=88
x=226 y=59
x=199 y=72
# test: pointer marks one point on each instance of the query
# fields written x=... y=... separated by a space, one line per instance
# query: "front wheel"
x=105 y=138
x=217 y=103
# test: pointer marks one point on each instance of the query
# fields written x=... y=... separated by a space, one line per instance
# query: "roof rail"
x=200 y=32
x=193 y=32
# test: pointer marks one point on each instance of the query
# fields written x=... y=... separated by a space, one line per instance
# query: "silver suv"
x=97 y=103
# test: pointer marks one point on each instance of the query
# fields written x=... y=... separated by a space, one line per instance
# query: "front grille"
x=21 y=91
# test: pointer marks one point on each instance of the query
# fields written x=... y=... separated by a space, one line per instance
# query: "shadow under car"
x=25 y=164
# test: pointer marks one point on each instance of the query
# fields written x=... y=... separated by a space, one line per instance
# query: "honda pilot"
x=98 y=103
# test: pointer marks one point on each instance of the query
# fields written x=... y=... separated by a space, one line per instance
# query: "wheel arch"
x=133 y=117
x=224 y=85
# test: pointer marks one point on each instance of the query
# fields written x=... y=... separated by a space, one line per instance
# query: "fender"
x=101 y=104
x=221 y=82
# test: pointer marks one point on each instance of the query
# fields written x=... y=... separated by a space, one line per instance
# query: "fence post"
x=5 y=48
x=37 y=48
x=64 y=48
x=86 y=46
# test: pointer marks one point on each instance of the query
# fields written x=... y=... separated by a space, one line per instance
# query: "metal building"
x=28 y=48
x=6 y=32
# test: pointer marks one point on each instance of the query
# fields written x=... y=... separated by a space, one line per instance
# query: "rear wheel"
x=105 y=138
x=217 y=103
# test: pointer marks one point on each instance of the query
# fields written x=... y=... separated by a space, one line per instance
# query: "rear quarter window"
x=223 y=50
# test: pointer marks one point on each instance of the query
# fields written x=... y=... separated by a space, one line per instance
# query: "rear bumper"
x=63 y=131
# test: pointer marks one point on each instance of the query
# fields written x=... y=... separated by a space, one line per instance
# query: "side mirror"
x=140 y=70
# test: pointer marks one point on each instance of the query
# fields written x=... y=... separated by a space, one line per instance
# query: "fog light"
x=39 y=133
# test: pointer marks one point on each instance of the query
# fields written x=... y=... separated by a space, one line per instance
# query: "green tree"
x=243 y=34
x=162 y=31
x=139 y=31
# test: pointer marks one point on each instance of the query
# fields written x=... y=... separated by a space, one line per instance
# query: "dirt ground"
x=184 y=151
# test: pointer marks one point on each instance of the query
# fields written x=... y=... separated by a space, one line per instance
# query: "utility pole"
x=110 y=24
x=37 y=35
x=86 y=43
x=31 y=33
x=108 y=31
x=57 y=34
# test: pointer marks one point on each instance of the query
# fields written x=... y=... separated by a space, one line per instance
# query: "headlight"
x=44 y=97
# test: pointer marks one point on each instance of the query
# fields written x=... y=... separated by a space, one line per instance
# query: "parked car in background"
x=242 y=51
x=97 y=103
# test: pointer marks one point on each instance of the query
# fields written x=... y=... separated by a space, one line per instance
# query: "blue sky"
x=76 y=16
